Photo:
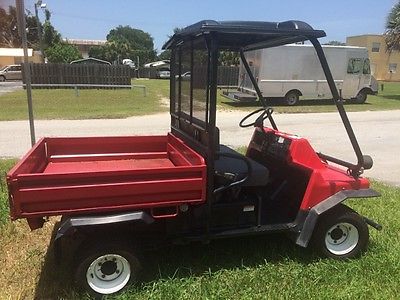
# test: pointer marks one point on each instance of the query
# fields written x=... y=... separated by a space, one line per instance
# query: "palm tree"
x=392 y=34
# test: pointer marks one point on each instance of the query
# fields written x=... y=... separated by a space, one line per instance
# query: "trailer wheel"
x=292 y=98
x=107 y=269
x=361 y=97
x=341 y=234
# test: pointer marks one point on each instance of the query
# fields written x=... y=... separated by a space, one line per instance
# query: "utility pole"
x=39 y=26
x=27 y=72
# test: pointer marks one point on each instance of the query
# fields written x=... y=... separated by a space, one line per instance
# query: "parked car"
x=186 y=76
x=163 y=74
x=11 y=72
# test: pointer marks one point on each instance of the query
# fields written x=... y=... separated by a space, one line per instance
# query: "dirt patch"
x=164 y=101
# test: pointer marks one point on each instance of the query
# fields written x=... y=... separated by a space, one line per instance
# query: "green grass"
x=268 y=267
x=91 y=103
x=5 y=165
x=388 y=99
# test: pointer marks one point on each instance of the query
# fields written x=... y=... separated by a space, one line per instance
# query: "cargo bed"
x=67 y=176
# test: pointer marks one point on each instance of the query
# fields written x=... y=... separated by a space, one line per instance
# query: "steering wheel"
x=265 y=113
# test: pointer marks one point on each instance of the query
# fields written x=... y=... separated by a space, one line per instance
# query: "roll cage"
x=195 y=49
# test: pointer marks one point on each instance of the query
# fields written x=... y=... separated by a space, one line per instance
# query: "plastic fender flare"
x=68 y=225
x=311 y=219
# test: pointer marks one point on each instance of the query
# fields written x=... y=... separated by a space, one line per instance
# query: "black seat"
x=259 y=175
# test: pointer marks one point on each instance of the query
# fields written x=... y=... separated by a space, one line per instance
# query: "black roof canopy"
x=247 y=35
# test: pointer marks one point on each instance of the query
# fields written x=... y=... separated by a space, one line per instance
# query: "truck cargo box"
x=67 y=176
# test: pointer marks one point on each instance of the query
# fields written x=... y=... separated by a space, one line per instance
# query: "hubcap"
x=291 y=99
x=108 y=274
x=341 y=238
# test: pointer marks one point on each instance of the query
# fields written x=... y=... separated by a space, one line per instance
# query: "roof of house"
x=90 y=60
x=16 y=52
x=85 y=42
x=156 y=64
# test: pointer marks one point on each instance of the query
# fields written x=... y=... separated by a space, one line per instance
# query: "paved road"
x=10 y=86
x=378 y=134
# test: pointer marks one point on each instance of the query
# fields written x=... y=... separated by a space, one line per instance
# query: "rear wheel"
x=107 y=269
x=292 y=98
x=361 y=97
x=341 y=234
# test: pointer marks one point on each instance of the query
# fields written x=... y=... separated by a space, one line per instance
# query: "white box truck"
x=292 y=71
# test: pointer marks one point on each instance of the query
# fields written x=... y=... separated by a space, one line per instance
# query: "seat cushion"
x=258 y=177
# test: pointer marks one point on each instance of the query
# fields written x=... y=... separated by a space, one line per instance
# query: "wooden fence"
x=226 y=75
x=82 y=74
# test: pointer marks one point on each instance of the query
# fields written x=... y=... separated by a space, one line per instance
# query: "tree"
x=228 y=58
x=335 y=43
x=126 y=42
x=9 y=35
x=62 y=53
x=166 y=54
x=51 y=36
x=392 y=34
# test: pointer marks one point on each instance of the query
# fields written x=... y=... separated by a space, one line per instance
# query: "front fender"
x=311 y=219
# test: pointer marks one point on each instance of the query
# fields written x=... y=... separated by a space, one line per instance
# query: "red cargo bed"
x=66 y=176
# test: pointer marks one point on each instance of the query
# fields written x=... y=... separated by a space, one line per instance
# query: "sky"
x=90 y=19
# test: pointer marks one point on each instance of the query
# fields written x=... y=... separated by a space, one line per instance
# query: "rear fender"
x=311 y=219
x=69 y=225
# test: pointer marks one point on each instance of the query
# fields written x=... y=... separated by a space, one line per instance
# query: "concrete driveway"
x=378 y=134
x=10 y=86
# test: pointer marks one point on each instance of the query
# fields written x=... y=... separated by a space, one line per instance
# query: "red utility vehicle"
x=119 y=194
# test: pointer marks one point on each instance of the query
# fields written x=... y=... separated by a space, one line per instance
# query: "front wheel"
x=341 y=234
x=292 y=98
x=107 y=269
x=2 y=79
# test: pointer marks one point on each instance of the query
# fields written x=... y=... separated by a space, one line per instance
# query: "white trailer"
x=292 y=71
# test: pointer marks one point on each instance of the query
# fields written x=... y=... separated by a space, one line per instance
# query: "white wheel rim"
x=341 y=238
x=108 y=274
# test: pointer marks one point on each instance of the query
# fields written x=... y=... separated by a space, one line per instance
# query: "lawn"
x=387 y=99
x=94 y=104
x=249 y=268
x=90 y=104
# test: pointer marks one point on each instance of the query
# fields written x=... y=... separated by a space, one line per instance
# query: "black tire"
x=2 y=78
x=341 y=234
x=361 y=97
x=117 y=268
x=292 y=98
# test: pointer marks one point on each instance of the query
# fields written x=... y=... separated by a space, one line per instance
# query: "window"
x=375 y=47
x=366 y=67
x=190 y=73
x=392 y=68
x=355 y=65
x=14 y=68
